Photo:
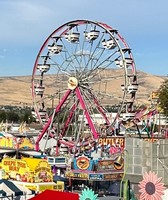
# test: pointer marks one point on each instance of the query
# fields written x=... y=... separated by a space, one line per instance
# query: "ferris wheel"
x=83 y=68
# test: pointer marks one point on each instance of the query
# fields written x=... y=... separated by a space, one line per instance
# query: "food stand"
x=33 y=173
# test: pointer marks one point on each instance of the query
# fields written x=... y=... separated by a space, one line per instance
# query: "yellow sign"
x=83 y=163
x=25 y=143
x=32 y=187
x=16 y=143
x=113 y=176
x=14 y=165
x=151 y=140
x=155 y=95
x=59 y=186
x=31 y=170
x=45 y=187
x=37 y=187
x=7 y=142
x=112 y=141
x=70 y=174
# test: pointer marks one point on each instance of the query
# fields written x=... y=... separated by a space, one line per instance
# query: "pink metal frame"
x=87 y=115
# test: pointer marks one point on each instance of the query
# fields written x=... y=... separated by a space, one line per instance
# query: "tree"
x=163 y=97
x=12 y=116
x=26 y=117
x=2 y=116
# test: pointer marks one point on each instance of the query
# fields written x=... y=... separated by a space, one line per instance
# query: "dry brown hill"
x=17 y=90
x=147 y=84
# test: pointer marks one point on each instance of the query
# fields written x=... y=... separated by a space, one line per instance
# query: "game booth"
x=100 y=168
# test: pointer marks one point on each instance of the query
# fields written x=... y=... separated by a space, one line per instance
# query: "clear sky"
x=25 y=25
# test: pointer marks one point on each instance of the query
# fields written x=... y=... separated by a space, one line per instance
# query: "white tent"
x=11 y=190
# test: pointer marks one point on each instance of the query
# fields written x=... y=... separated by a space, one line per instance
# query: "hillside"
x=17 y=90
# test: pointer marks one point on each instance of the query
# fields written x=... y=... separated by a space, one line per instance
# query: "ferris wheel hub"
x=72 y=83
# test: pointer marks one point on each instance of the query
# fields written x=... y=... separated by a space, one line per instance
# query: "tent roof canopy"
x=8 y=188
x=53 y=194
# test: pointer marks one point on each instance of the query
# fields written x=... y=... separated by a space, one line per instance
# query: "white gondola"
x=114 y=31
x=129 y=101
x=120 y=63
x=72 y=37
x=55 y=49
x=42 y=113
x=132 y=88
x=33 y=113
x=39 y=90
x=63 y=149
x=129 y=61
x=123 y=88
x=109 y=44
x=56 y=38
x=92 y=35
x=43 y=67
x=44 y=120
x=126 y=50
x=127 y=116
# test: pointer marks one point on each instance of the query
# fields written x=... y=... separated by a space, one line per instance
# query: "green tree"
x=26 y=117
x=2 y=116
x=163 y=97
x=12 y=116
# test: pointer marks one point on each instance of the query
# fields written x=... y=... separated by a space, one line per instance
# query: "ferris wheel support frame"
x=57 y=109
x=86 y=113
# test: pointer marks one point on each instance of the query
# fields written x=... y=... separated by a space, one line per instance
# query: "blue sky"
x=25 y=25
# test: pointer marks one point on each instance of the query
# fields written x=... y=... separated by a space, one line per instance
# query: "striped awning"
x=7 y=188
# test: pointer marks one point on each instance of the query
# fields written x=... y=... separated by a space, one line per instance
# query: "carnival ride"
x=148 y=121
x=72 y=81
x=144 y=121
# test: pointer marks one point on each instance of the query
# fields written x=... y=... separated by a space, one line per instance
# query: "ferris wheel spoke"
x=106 y=60
x=57 y=66
x=84 y=51
x=101 y=67
x=69 y=61
x=93 y=56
